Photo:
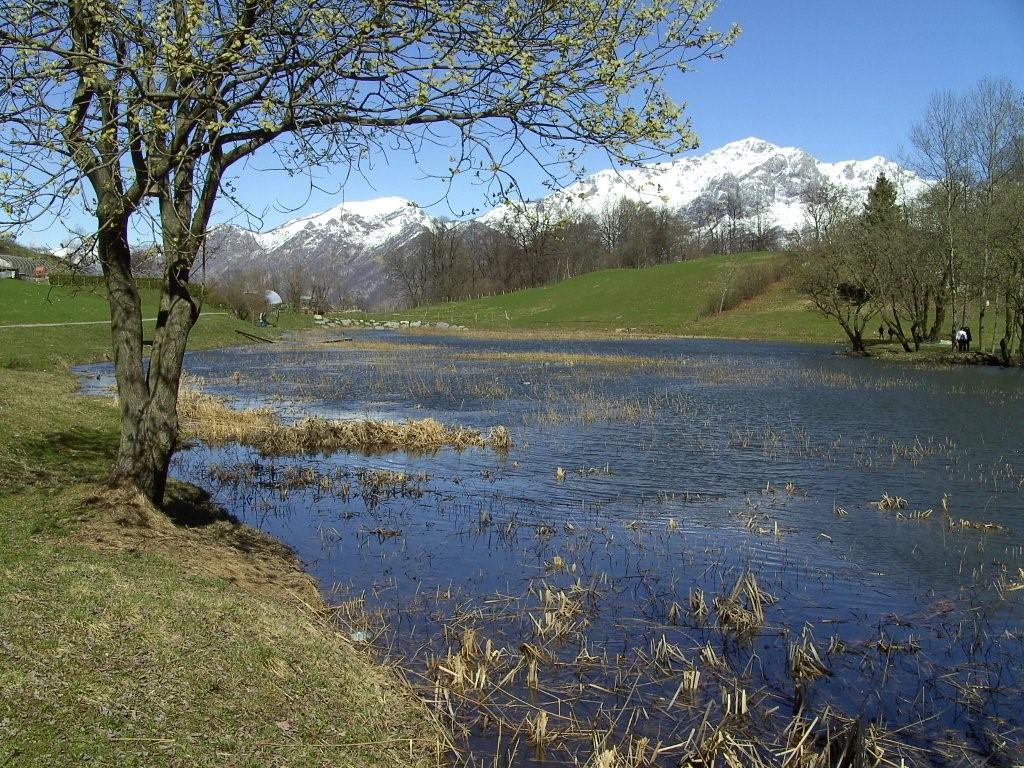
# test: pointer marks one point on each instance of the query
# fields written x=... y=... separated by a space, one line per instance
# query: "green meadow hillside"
x=668 y=299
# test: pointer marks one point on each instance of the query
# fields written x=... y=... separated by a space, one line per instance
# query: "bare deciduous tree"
x=940 y=153
x=832 y=276
x=993 y=120
x=143 y=108
x=824 y=204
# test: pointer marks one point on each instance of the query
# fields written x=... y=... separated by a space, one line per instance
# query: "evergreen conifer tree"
x=880 y=208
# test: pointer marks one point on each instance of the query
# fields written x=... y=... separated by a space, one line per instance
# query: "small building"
x=25 y=268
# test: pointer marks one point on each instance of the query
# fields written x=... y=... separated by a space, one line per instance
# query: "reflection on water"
x=687 y=464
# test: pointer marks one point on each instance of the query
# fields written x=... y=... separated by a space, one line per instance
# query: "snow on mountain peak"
x=749 y=144
x=767 y=180
x=378 y=207
x=762 y=174
x=383 y=212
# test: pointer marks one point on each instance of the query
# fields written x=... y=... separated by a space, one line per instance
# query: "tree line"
x=535 y=244
x=244 y=292
x=918 y=269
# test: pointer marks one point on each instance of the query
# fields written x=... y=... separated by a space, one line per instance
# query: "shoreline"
x=929 y=354
x=224 y=621
x=933 y=354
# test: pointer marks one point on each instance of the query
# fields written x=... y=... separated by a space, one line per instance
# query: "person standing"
x=967 y=333
x=881 y=333
x=961 y=340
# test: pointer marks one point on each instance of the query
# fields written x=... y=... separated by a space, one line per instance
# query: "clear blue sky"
x=843 y=80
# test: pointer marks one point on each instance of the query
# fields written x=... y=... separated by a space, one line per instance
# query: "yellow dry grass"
x=210 y=419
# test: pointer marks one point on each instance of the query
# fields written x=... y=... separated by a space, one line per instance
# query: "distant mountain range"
x=350 y=240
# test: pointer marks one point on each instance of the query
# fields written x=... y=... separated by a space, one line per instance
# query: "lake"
x=693 y=549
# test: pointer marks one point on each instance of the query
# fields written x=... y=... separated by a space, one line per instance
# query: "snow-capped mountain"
x=760 y=175
x=350 y=240
x=347 y=242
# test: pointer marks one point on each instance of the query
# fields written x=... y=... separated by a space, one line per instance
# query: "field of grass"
x=131 y=636
x=24 y=302
x=663 y=299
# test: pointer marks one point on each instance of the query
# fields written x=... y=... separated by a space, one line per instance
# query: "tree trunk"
x=983 y=300
x=1020 y=338
x=1004 y=343
x=147 y=395
x=981 y=323
x=855 y=336
x=940 y=313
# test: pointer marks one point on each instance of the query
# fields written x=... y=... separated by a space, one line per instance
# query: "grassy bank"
x=54 y=347
x=666 y=299
x=132 y=636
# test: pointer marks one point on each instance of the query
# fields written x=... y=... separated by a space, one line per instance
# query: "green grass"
x=56 y=347
x=662 y=299
x=130 y=637
x=129 y=657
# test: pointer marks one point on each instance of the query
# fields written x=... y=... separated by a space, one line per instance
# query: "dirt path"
x=89 y=322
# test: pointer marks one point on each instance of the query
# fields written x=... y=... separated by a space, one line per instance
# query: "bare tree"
x=765 y=235
x=320 y=295
x=146 y=107
x=832 y=276
x=940 y=153
x=707 y=215
x=993 y=121
x=242 y=293
x=612 y=225
x=825 y=204
x=442 y=246
x=734 y=207
x=535 y=229
x=580 y=250
x=295 y=286
x=430 y=268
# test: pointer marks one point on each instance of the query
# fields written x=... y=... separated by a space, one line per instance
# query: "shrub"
x=745 y=283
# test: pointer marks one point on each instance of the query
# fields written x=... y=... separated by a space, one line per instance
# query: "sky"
x=842 y=80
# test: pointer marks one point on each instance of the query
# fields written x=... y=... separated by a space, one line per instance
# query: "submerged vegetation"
x=631 y=613
x=613 y=589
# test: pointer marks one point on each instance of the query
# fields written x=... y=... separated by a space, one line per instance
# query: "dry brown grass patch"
x=194 y=532
x=211 y=420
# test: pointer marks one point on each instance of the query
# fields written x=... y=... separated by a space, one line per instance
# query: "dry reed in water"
x=209 y=419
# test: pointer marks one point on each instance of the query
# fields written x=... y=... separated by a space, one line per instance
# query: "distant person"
x=881 y=333
x=961 y=340
x=263 y=320
x=891 y=334
x=967 y=330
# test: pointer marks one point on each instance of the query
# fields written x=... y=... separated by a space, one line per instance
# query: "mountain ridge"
x=350 y=240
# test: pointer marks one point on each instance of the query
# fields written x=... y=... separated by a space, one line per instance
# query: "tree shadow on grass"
x=78 y=454
x=86 y=455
